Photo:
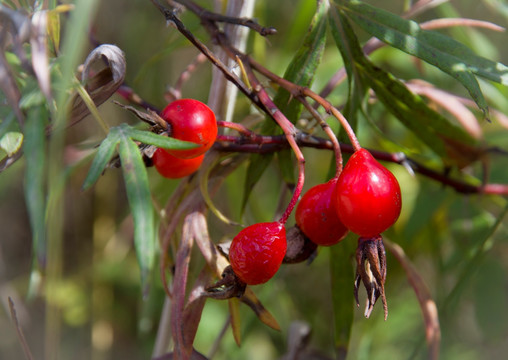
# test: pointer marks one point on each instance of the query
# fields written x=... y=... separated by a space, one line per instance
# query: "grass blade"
x=140 y=202
x=34 y=148
x=165 y=142
x=104 y=154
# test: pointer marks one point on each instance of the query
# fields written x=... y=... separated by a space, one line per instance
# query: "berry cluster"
x=363 y=198
x=188 y=120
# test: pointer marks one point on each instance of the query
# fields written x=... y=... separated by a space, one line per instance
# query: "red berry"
x=316 y=215
x=173 y=167
x=367 y=196
x=193 y=121
x=257 y=251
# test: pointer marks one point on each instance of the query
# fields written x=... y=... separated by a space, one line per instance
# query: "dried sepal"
x=371 y=271
x=299 y=247
x=227 y=287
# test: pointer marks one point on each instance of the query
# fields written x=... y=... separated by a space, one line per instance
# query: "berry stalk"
x=289 y=131
x=300 y=91
x=326 y=128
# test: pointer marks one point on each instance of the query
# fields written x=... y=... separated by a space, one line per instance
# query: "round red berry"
x=257 y=251
x=316 y=216
x=173 y=167
x=193 y=121
x=367 y=195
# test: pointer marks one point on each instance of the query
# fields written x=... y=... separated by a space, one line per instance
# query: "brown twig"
x=326 y=128
x=19 y=331
x=289 y=131
x=175 y=92
x=172 y=18
x=214 y=17
x=300 y=91
x=277 y=143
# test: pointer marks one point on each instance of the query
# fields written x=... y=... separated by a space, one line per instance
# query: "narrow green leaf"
x=303 y=66
x=449 y=55
x=347 y=43
x=429 y=126
x=140 y=202
x=342 y=277
x=11 y=142
x=351 y=52
x=104 y=154
x=165 y=142
x=300 y=71
x=34 y=149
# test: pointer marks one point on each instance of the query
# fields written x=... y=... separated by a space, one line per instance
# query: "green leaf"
x=342 y=277
x=351 y=52
x=449 y=55
x=104 y=154
x=140 y=202
x=300 y=71
x=303 y=66
x=34 y=149
x=429 y=126
x=11 y=142
x=165 y=142
x=136 y=183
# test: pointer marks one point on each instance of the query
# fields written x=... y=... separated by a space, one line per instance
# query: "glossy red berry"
x=193 y=121
x=316 y=216
x=367 y=196
x=173 y=167
x=257 y=251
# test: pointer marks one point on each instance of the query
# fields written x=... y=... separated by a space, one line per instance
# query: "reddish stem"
x=299 y=91
x=236 y=126
x=289 y=131
x=329 y=132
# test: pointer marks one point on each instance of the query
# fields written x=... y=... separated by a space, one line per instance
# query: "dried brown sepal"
x=227 y=287
x=371 y=271
x=299 y=247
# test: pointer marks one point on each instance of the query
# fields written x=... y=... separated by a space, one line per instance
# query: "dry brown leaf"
x=182 y=351
x=39 y=45
x=450 y=103
x=101 y=85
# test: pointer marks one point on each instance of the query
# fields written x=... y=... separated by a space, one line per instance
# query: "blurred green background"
x=103 y=313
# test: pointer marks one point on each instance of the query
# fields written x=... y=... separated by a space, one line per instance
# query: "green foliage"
x=81 y=237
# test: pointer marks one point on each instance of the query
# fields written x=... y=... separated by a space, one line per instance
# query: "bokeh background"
x=103 y=315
